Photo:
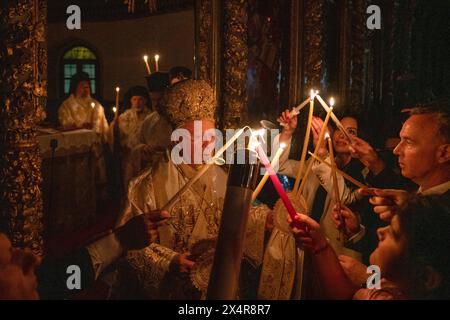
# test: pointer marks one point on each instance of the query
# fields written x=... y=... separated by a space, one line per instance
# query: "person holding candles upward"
x=318 y=191
x=424 y=157
x=161 y=268
x=80 y=110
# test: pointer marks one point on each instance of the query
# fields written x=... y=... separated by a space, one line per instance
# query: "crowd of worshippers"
x=400 y=223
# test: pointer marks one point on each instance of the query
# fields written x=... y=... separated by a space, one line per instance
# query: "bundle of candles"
x=302 y=174
x=149 y=71
x=270 y=173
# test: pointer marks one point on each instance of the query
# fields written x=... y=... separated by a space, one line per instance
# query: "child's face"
x=390 y=253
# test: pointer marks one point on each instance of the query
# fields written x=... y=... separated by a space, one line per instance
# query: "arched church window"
x=80 y=58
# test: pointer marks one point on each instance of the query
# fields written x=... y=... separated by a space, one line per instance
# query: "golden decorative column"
x=23 y=67
x=314 y=43
x=234 y=63
x=207 y=43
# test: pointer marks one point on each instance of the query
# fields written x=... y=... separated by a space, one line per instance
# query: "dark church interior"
x=342 y=104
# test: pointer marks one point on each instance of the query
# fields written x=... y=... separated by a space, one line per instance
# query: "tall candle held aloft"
x=335 y=185
x=333 y=168
x=92 y=112
x=276 y=182
x=264 y=179
x=305 y=141
x=335 y=119
x=117 y=101
x=147 y=65
x=157 y=62
x=319 y=143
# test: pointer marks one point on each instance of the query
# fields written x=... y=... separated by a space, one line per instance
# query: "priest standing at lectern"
x=81 y=110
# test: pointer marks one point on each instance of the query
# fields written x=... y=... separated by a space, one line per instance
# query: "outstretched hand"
x=386 y=202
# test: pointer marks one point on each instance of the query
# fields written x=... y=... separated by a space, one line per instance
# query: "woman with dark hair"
x=412 y=255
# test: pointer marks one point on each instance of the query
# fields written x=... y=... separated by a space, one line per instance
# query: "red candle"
x=277 y=184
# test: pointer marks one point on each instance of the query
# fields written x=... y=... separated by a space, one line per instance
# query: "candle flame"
x=117 y=89
x=114 y=109
x=317 y=92
x=327 y=135
x=282 y=145
x=93 y=105
x=312 y=94
x=156 y=57
x=145 y=58
x=331 y=101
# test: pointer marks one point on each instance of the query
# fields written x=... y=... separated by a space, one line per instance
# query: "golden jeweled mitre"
x=189 y=100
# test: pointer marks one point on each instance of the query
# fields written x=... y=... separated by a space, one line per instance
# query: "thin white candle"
x=306 y=141
x=157 y=62
x=264 y=179
x=334 y=118
x=147 y=65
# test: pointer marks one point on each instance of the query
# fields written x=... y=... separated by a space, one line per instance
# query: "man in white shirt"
x=424 y=157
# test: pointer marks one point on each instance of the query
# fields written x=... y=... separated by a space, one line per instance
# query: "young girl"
x=412 y=255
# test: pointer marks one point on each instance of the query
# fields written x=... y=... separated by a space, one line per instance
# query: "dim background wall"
x=120 y=46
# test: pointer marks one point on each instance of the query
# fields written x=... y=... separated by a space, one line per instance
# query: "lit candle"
x=276 y=183
x=264 y=179
x=92 y=112
x=319 y=142
x=116 y=111
x=156 y=62
x=306 y=141
x=335 y=185
x=334 y=118
x=147 y=65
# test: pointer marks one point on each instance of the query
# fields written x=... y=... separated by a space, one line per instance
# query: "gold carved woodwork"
x=23 y=64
